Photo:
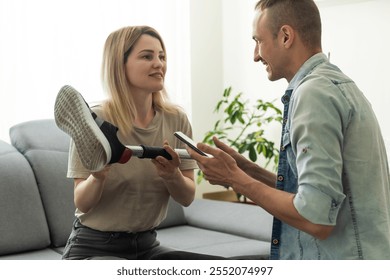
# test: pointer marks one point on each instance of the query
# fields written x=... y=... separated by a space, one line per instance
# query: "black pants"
x=182 y=255
x=87 y=243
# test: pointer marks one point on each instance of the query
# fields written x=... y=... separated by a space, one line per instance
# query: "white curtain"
x=45 y=44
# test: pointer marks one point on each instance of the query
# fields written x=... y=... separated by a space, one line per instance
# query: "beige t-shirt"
x=134 y=198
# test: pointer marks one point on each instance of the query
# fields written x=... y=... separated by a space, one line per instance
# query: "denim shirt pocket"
x=291 y=158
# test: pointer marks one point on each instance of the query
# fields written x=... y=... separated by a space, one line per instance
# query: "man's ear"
x=287 y=35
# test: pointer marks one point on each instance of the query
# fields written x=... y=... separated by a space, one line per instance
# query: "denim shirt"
x=333 y=159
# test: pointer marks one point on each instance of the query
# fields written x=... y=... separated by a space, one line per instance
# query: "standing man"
x=331 y=199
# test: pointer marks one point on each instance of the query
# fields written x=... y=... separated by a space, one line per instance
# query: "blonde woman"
x=119 y=207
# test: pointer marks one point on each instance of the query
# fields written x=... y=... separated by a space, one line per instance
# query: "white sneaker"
x=95 y=139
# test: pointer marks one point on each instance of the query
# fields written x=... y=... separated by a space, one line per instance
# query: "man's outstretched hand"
x=221 y=167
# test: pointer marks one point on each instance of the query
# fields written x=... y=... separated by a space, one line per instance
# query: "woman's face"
x=146 y=65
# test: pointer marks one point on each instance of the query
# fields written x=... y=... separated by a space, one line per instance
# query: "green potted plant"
x=242 y=125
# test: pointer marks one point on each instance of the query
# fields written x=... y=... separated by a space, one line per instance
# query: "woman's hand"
x=180 y=184
x=87 y=192
x=168 y=169
x=102 y=174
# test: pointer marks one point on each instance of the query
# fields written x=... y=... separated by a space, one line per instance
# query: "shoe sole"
x=73 y=116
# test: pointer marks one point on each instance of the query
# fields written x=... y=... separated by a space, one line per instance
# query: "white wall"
x=206 y=68
x=206 y=62
x=356 y=37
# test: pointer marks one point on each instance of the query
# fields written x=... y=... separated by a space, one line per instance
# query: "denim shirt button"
x=275 y=241
x=286 y=98
x=280 y=178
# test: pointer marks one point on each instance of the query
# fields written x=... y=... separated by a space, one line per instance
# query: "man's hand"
x=219 y=169
x=241 y=161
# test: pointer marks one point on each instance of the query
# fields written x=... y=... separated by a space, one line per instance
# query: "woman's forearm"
x=182 y=187
x=87 y=192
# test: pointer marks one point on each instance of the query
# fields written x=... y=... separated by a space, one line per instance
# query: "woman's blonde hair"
x=120 y=108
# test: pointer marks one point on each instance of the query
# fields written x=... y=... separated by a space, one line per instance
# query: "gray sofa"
x=37 y=210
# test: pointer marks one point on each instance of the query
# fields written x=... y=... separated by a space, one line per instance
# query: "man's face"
x=267 y=49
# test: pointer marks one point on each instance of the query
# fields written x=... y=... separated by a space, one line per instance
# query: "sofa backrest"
x=23 y=225
x=46 y=148
x=175 y=215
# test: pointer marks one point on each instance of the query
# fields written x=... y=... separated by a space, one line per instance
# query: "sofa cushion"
x=46 y=148
x=23 y=224
x=240 y=219
x=44 y=254
x=209 y=242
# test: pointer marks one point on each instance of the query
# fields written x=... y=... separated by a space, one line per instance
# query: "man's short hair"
x=301 y=15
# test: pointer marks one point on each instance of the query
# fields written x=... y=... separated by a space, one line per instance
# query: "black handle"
x=153 y=152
